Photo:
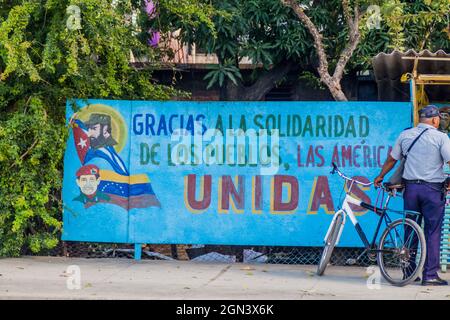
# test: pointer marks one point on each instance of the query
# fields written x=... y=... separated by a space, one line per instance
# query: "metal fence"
x=445 y=237
x=445 y=240
x=212 y=253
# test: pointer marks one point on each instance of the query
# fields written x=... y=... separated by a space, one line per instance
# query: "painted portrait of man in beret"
x=88 y=180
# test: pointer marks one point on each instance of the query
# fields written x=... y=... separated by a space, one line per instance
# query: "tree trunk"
x=258 y=90
x=331 y=81
x=336 y=91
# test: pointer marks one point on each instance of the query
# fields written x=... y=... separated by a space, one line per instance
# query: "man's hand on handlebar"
x=377 y=181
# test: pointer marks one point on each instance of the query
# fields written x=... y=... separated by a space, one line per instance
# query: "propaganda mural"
x=233 y=173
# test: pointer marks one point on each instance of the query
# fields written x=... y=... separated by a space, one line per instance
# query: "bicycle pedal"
x=350 y=262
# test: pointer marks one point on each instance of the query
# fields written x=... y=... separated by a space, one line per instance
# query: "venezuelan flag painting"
x=128 y=192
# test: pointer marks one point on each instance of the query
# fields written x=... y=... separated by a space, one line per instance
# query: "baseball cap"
x=429 y=111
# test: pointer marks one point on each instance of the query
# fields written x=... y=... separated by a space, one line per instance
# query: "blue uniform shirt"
x=427 y=157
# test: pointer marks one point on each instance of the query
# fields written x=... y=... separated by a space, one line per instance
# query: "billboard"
x=232 y=173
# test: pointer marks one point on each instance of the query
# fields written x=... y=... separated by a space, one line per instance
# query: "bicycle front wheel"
x=329 y=244
x=402 y=252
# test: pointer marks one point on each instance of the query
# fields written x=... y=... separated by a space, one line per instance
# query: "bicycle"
x=401 y=250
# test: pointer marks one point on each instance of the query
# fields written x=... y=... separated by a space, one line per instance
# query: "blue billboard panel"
x=235 y=173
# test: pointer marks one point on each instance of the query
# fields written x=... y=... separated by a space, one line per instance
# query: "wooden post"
x=414 y=93
x=137 y=251
x=415 y=111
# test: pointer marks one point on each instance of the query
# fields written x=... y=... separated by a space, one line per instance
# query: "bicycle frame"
x=400 y=245
x=347 y=211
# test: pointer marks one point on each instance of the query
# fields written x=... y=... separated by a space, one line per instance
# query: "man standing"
x=424 y=181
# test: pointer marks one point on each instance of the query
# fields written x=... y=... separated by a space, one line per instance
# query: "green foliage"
x=43 y=62
x=426 y=25
x=269 y=33
x=263 y=30
x=311 y=79
x=220 y=72
x=404 y=25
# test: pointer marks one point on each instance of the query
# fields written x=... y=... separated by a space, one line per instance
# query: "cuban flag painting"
x=121 y=188
x=87 y=153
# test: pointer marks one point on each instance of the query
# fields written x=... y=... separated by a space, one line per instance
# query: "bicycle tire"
x=421 y=260
x=329 y=245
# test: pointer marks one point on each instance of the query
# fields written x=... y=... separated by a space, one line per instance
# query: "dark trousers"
x=431 y=204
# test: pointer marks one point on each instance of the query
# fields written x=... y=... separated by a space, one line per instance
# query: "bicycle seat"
x=390 y=186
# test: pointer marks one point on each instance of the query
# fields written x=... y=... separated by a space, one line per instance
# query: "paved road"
x=47 y=278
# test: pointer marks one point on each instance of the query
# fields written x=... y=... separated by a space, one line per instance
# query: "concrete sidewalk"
x=47 y=277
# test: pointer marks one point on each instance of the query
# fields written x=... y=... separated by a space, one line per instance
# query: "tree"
x=425 y=25
x=354 y=17
x=332 y=81
x=50 y=51
x=263 y=30
x=278 y=42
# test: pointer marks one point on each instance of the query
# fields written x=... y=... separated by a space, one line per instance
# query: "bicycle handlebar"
x=343 y=176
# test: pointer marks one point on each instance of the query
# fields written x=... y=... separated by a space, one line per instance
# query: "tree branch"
x=354 y=38
x=26 y=152
x=323 y=59
x=347 y=14
x=332 y=82
x=356 y=12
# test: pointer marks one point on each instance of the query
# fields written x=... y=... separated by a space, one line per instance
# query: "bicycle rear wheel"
x=329 y=244
x=402 y=252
